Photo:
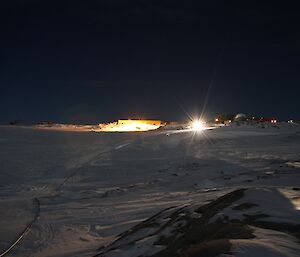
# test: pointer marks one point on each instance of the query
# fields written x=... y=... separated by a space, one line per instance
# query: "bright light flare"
x=197 y=125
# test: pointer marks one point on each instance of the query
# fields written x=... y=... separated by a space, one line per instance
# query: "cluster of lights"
x=273 y=121
x=129 y=126
x=134 y=126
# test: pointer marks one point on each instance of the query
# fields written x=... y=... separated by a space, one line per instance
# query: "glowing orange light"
x=131 y=125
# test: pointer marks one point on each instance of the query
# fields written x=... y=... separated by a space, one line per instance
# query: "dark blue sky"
x=91 y=61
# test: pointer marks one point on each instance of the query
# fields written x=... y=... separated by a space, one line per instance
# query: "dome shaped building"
x=240 y=117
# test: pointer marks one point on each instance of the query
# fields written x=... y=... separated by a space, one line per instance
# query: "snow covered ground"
x=65 y=193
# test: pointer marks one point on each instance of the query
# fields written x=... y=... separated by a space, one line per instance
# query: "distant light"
x=197 y=125
x=131 y=125
x=216 y=119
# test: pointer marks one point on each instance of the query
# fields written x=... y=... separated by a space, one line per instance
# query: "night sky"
x=92 y=61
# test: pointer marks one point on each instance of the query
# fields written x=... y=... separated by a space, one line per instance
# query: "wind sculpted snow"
x=92 y=187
